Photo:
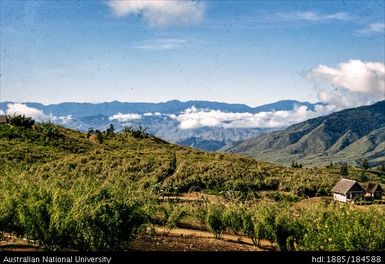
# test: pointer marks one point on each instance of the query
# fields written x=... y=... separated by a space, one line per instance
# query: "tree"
x=363 y=176
x=99 y=136
x=21 y=121
x=110 y=130
x=365 y=164
x=295 y=164
x=91 y=131
x=127 y=130
x=344 y=169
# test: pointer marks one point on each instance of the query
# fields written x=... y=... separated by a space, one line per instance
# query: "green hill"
x=350 y=135
x=144 y=160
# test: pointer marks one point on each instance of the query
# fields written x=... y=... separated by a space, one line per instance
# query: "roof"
x=3 y=119
x=345 y=185
x=374 y=187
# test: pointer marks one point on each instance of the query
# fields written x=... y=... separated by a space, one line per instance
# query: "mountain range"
x=169 y=107
x=351 y=135
x=160 y=119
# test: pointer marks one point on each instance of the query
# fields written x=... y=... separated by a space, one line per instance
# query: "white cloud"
x=160 y=13
x=312 y=16
x=350 y=84
x=194 y=118
x=2 y=112
x=65 y=120
x=125 y=117
x=373 y=29
x=160 y=44
x=152 y=114
x=22 y=109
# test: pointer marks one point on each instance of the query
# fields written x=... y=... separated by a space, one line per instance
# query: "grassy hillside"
x=72 y=190
x=350 y=136
x=148 y=161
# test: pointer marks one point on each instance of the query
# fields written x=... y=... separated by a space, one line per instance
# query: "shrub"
x=99 y=136
x=233 y=220
x=288 y=231
x=87 y=216
x=343 y=229
x=107 y=222
x=49 y=131
x=172 y=215
x=215 y=220
x=21 y=121
x=344 y=169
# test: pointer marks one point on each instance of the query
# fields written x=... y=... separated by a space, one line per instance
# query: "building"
x=375 y=191
x=3 y=119
x=348 y=191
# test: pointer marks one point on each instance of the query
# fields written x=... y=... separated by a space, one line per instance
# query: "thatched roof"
x=346 y=185
x=3 y=119
x=374 y=187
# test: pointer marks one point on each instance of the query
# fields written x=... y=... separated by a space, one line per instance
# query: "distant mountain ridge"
x=169 y=107
x=209 y=138
x=350 y=136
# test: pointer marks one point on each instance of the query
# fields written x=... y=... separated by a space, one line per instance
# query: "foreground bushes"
x=324 y=227
x=85 y=216
x=106 y=215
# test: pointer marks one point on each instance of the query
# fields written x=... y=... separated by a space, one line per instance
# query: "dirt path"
x=177 y=239
x=183 y=232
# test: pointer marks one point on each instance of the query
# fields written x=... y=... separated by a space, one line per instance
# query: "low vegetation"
x=68 y=190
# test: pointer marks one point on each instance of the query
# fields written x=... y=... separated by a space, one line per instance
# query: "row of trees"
x=330 y=227
x=99 y=136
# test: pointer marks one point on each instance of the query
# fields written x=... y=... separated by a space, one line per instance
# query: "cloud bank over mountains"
x=193 y=118
x=125 y=117
x=350 y=84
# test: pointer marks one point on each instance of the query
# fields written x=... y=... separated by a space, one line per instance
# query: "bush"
x=172 y=215
x=99 y=136
x=337 y=227
x=87 y=216
x=49 y=131
x=215 y=220
x=233 y=220
x=107 y=222
x=288 y=231
x=344 y=169
x=21 y=121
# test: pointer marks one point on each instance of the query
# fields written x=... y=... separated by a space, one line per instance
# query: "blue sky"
x=250 y=52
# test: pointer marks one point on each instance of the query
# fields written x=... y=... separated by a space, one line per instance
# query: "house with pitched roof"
x=375 y=191
x=348 y=191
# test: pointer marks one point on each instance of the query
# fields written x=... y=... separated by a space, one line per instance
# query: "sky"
x=250 y=52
